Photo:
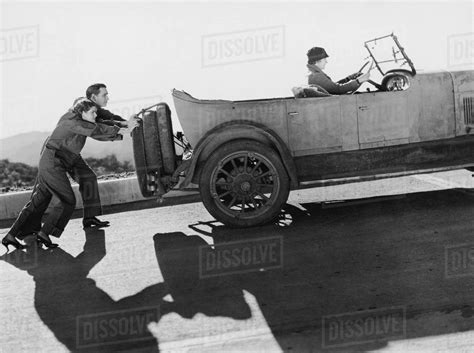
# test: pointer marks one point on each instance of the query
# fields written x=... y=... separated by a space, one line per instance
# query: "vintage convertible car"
x=247 y=155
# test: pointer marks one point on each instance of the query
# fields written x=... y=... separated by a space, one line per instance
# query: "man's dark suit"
x=84 y=176
x=104 y=116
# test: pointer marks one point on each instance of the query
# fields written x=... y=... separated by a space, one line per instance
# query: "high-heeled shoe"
x=44 y=239
x=10 y=240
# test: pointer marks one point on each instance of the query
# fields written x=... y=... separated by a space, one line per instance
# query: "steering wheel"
x=360 y=73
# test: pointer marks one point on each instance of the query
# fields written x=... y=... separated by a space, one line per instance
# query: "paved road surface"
x=382 y=266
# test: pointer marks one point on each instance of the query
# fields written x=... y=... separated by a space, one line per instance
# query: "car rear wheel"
x=244 y=184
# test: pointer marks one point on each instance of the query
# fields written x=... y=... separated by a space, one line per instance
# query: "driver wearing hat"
x=317 y=62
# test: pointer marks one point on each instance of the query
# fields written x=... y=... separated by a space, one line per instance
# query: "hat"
x=315 y=54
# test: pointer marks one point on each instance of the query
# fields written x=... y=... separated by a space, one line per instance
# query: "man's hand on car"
x=121 y=124
x=132 y=123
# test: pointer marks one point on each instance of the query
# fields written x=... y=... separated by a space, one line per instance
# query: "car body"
x=427 y=126
x=248 y=154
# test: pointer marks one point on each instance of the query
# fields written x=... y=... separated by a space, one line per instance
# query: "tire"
x=244 y=184
x=165 y=131
x=154 y=161
x=140 y=161
x=396 y=81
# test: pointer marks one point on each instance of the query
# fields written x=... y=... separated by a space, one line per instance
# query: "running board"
x=356 y=179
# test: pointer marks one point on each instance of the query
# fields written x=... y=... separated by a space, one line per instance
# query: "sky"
x=50 y=51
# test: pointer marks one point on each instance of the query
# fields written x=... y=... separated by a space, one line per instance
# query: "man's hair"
x=82 y=105
x=94 y=89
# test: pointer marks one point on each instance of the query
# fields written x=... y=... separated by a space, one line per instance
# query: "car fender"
x=405 y=71
x=235 y=130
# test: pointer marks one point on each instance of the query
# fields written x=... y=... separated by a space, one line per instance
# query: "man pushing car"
x=82 y=173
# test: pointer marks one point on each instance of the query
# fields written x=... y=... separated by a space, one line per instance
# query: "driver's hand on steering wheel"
x=354 y=75
x=364 y=77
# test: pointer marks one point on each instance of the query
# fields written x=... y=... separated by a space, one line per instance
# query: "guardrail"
x=116 y=195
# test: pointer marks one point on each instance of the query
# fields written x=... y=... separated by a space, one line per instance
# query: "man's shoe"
x=94 y=222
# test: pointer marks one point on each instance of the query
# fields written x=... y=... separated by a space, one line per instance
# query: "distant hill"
x=25 y=148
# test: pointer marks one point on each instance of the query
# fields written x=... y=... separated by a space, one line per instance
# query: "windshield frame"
x=401 y=50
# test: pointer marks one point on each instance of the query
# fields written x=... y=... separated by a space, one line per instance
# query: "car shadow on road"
x=363 y=258
x=178 y=256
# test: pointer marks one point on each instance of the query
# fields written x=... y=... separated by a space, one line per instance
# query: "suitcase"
x=154 y=150
x=165 y=131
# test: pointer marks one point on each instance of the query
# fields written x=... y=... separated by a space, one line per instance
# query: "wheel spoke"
x=225 y=172
x=256 y=166
x=265 y=187
x=262 y=195
x=254 y=203
x=264 y=174
x=245 y=163
x=225 y=193
x=234 y=165
x=232 y=202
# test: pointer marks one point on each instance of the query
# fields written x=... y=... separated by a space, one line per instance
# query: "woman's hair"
x=82 y=105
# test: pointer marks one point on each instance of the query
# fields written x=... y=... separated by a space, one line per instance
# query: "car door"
x=383 y=119
x=314 y=125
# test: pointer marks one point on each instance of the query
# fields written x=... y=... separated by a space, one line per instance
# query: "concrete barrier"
x=114 y=195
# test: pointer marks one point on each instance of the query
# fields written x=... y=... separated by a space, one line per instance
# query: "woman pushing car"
x=59 y=154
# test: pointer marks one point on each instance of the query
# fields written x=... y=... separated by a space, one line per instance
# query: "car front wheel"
x=244 y=184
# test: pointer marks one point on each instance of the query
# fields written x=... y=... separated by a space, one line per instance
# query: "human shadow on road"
x=86 y=319
x=82 y=316
x=362 y=258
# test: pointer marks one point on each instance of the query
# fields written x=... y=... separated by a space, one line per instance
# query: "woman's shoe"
x=42 y=238
x=10 y=240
